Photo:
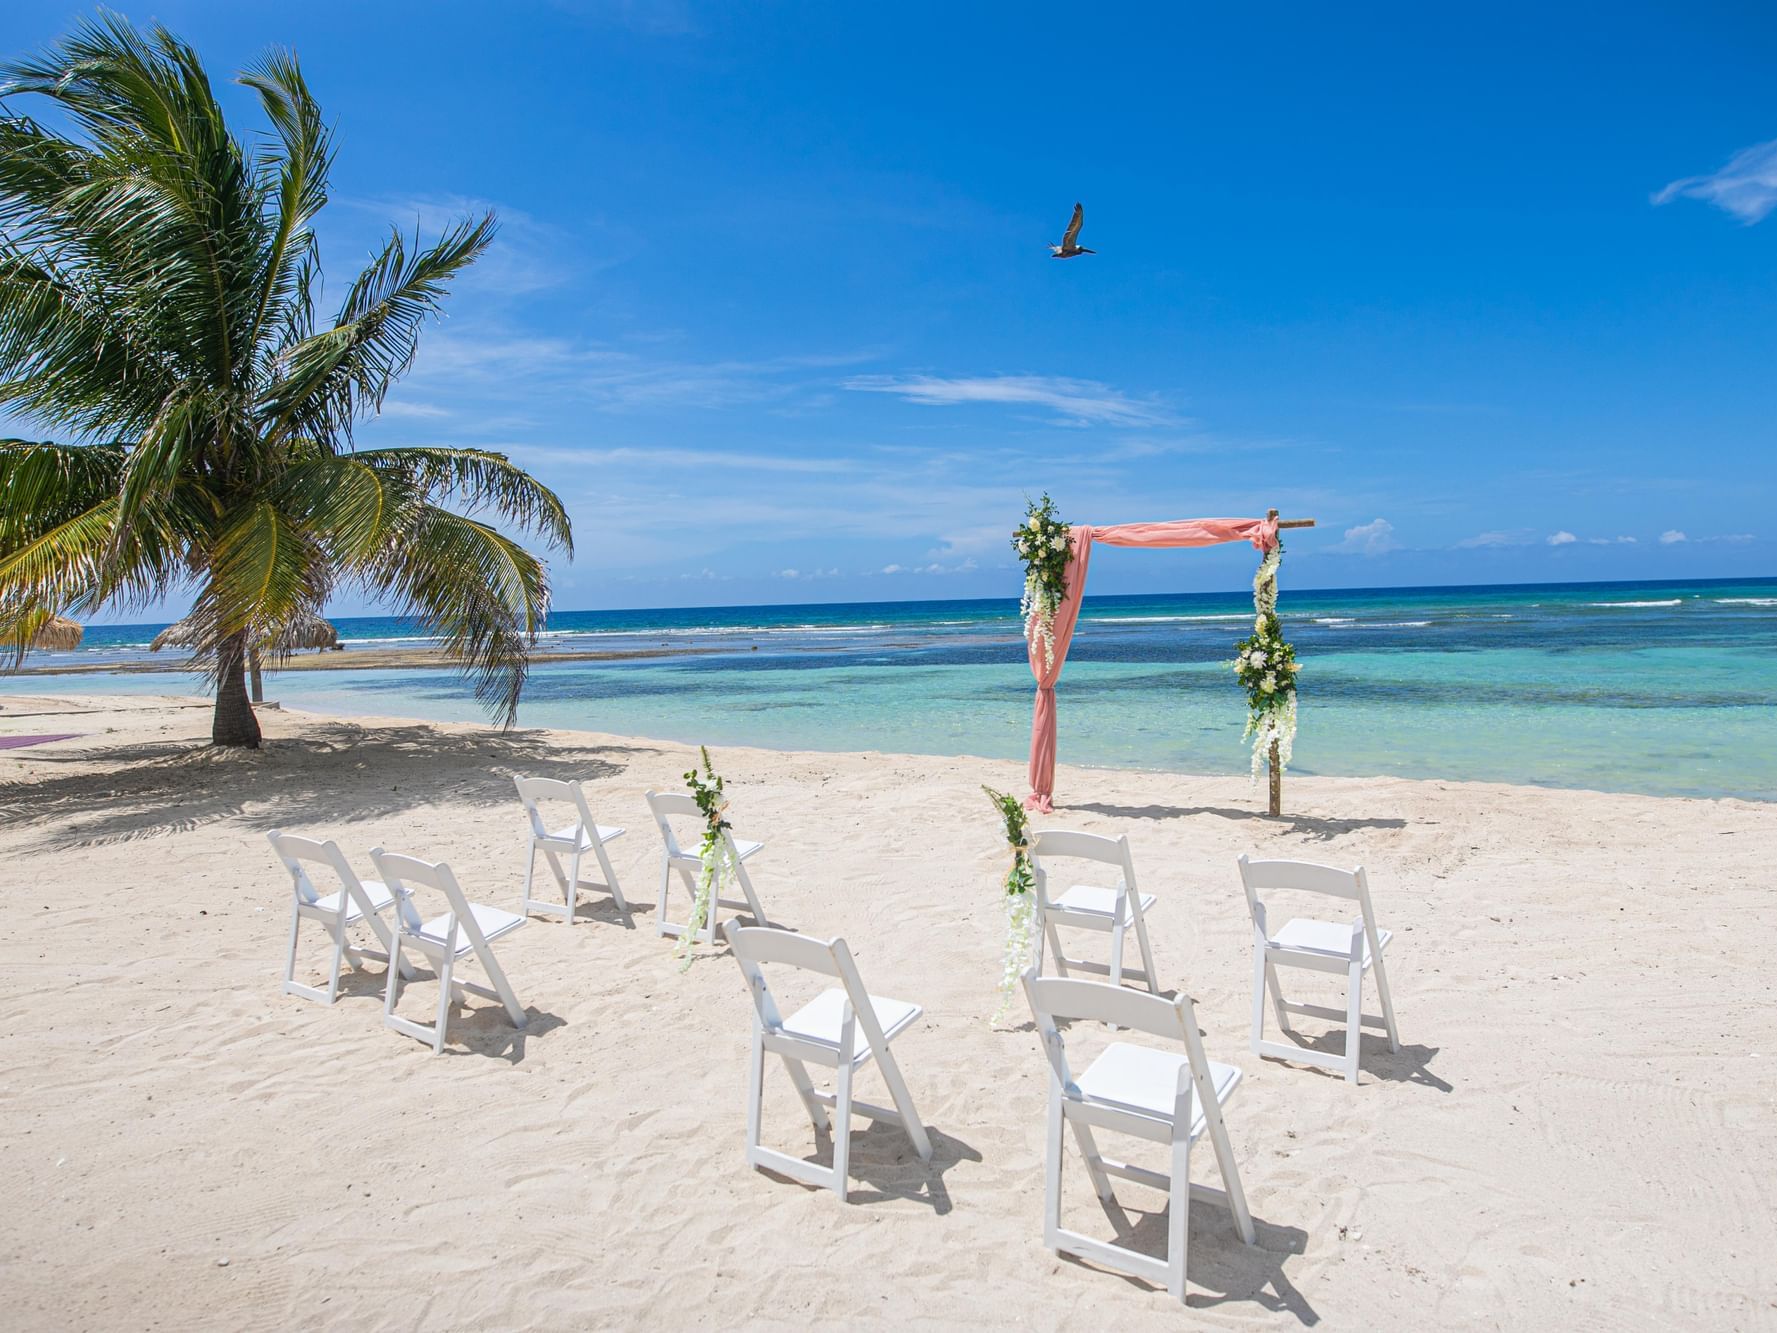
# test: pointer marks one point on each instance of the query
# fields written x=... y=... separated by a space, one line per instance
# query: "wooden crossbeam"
x=1290 y=522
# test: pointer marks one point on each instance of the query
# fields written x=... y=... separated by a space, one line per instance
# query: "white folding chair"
x=355 y=900
x=444 y=941
x=842 y=1029
x=1112 y=909
x=1319 y=946
x=1162 y=1096
x=574 y=840
x=667 y=806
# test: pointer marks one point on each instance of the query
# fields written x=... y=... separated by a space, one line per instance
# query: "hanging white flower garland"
x=1267 y=667
x=714 y=866
x=1019 y=891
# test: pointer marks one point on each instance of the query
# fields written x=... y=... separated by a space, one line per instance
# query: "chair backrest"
x=756 y=946
x=1055 y=1000
x=1053 y=844
x=534 y=791
x=1305 y=877
x=299 y=853
x=666 y=806
x=401 y=873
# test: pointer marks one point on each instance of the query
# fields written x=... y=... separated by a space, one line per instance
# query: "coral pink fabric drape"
x=1261 y=532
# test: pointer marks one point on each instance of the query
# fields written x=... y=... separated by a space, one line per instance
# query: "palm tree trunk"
x=234 y=722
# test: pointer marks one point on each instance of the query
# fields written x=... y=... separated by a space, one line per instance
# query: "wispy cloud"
x=1746 y=187
x=1611 y=541
x=412 y=411
x=1562 y=538
x=1373 y=538
x=1483 y=541
x=1072 y=401
x=1672 y=537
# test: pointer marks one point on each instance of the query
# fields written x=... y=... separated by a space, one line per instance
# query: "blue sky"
x=1492 y=294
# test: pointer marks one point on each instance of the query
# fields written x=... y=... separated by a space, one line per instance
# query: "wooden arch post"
x=1276 y=765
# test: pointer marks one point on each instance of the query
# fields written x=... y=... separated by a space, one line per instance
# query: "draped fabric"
x=1261 y=532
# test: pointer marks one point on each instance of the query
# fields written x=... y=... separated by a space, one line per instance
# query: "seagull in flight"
x=1070 y=245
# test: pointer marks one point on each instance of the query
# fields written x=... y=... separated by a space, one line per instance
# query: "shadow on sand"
x=163 y=788
x=1318 y=828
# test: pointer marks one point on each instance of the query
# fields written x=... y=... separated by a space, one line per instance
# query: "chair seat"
x=1095 y=900
x=821 y=1018
x=1325 y=938
x=375 y=890
x=572 y=833
x=743 y=848
x=1144 y=1080
x=493 y=922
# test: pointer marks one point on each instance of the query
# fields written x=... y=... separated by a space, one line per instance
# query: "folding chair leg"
x=897 y=1086
x=1147 y=954
x=290 y=958
x=1178 y=1221
x=1394 y=1038
x=755 y=1087
x=746 y=888
x=1230 y=1172
x=1089 y=1153
x=530 y=870
x=1052 y=1172
x=438 y=1027
x=842 y=1128
x=1354 y=1017
x=392 y=992
x=610 y=875
x=1117 y=933
x=338 y=934
x=1261 y=976
x=1277 y=1004
x=1055 y=944
x=508 y=997
x=386 y=937
x=805 y=1089
x=571 y=890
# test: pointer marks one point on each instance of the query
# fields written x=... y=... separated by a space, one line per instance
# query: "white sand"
x=1579 y=1133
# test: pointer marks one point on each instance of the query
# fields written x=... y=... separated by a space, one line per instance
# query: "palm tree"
x=158 y=285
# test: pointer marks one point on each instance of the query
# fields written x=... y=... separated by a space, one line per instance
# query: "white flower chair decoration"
x=667 y=806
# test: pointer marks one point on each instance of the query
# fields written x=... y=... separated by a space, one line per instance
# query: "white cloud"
x=891 y=569
x=810 y=574
x=1672 y=537
x=413 y=411
x=1486 y=540
x=1745 y=187
x=1610 y=541
x=1562 y=538
x=1074 y=402
x=1373 y=538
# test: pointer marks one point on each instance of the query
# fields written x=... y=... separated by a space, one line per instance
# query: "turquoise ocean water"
x=1664 y=688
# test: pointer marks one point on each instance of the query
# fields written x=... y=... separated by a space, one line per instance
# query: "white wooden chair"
x=667 y=806
x=355 y=900
x=1319 y=946
x=1113 y=910
x=842 y=1029
x=1162 y=1096
x=573 y=840
x=444 y=941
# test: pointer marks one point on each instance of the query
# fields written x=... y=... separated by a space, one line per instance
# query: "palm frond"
x=480 y=479
x=332 y=378
x=480 y=592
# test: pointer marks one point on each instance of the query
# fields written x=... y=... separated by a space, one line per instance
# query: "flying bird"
x=1070 y=246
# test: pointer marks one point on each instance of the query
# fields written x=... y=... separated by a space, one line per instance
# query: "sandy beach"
x=1578 y=1132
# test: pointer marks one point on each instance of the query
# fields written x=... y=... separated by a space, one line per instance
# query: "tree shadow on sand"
x=1315 y=827
x=159 y=789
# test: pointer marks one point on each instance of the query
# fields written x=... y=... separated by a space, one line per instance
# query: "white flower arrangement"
x=1019 y=891
x=714 y=867
x=1267 y=667
x=1042 y=543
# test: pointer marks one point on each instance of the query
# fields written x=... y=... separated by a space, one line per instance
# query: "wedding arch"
x=1049 y=626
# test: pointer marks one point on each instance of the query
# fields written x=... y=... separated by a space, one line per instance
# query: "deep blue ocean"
x=1664 y=687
